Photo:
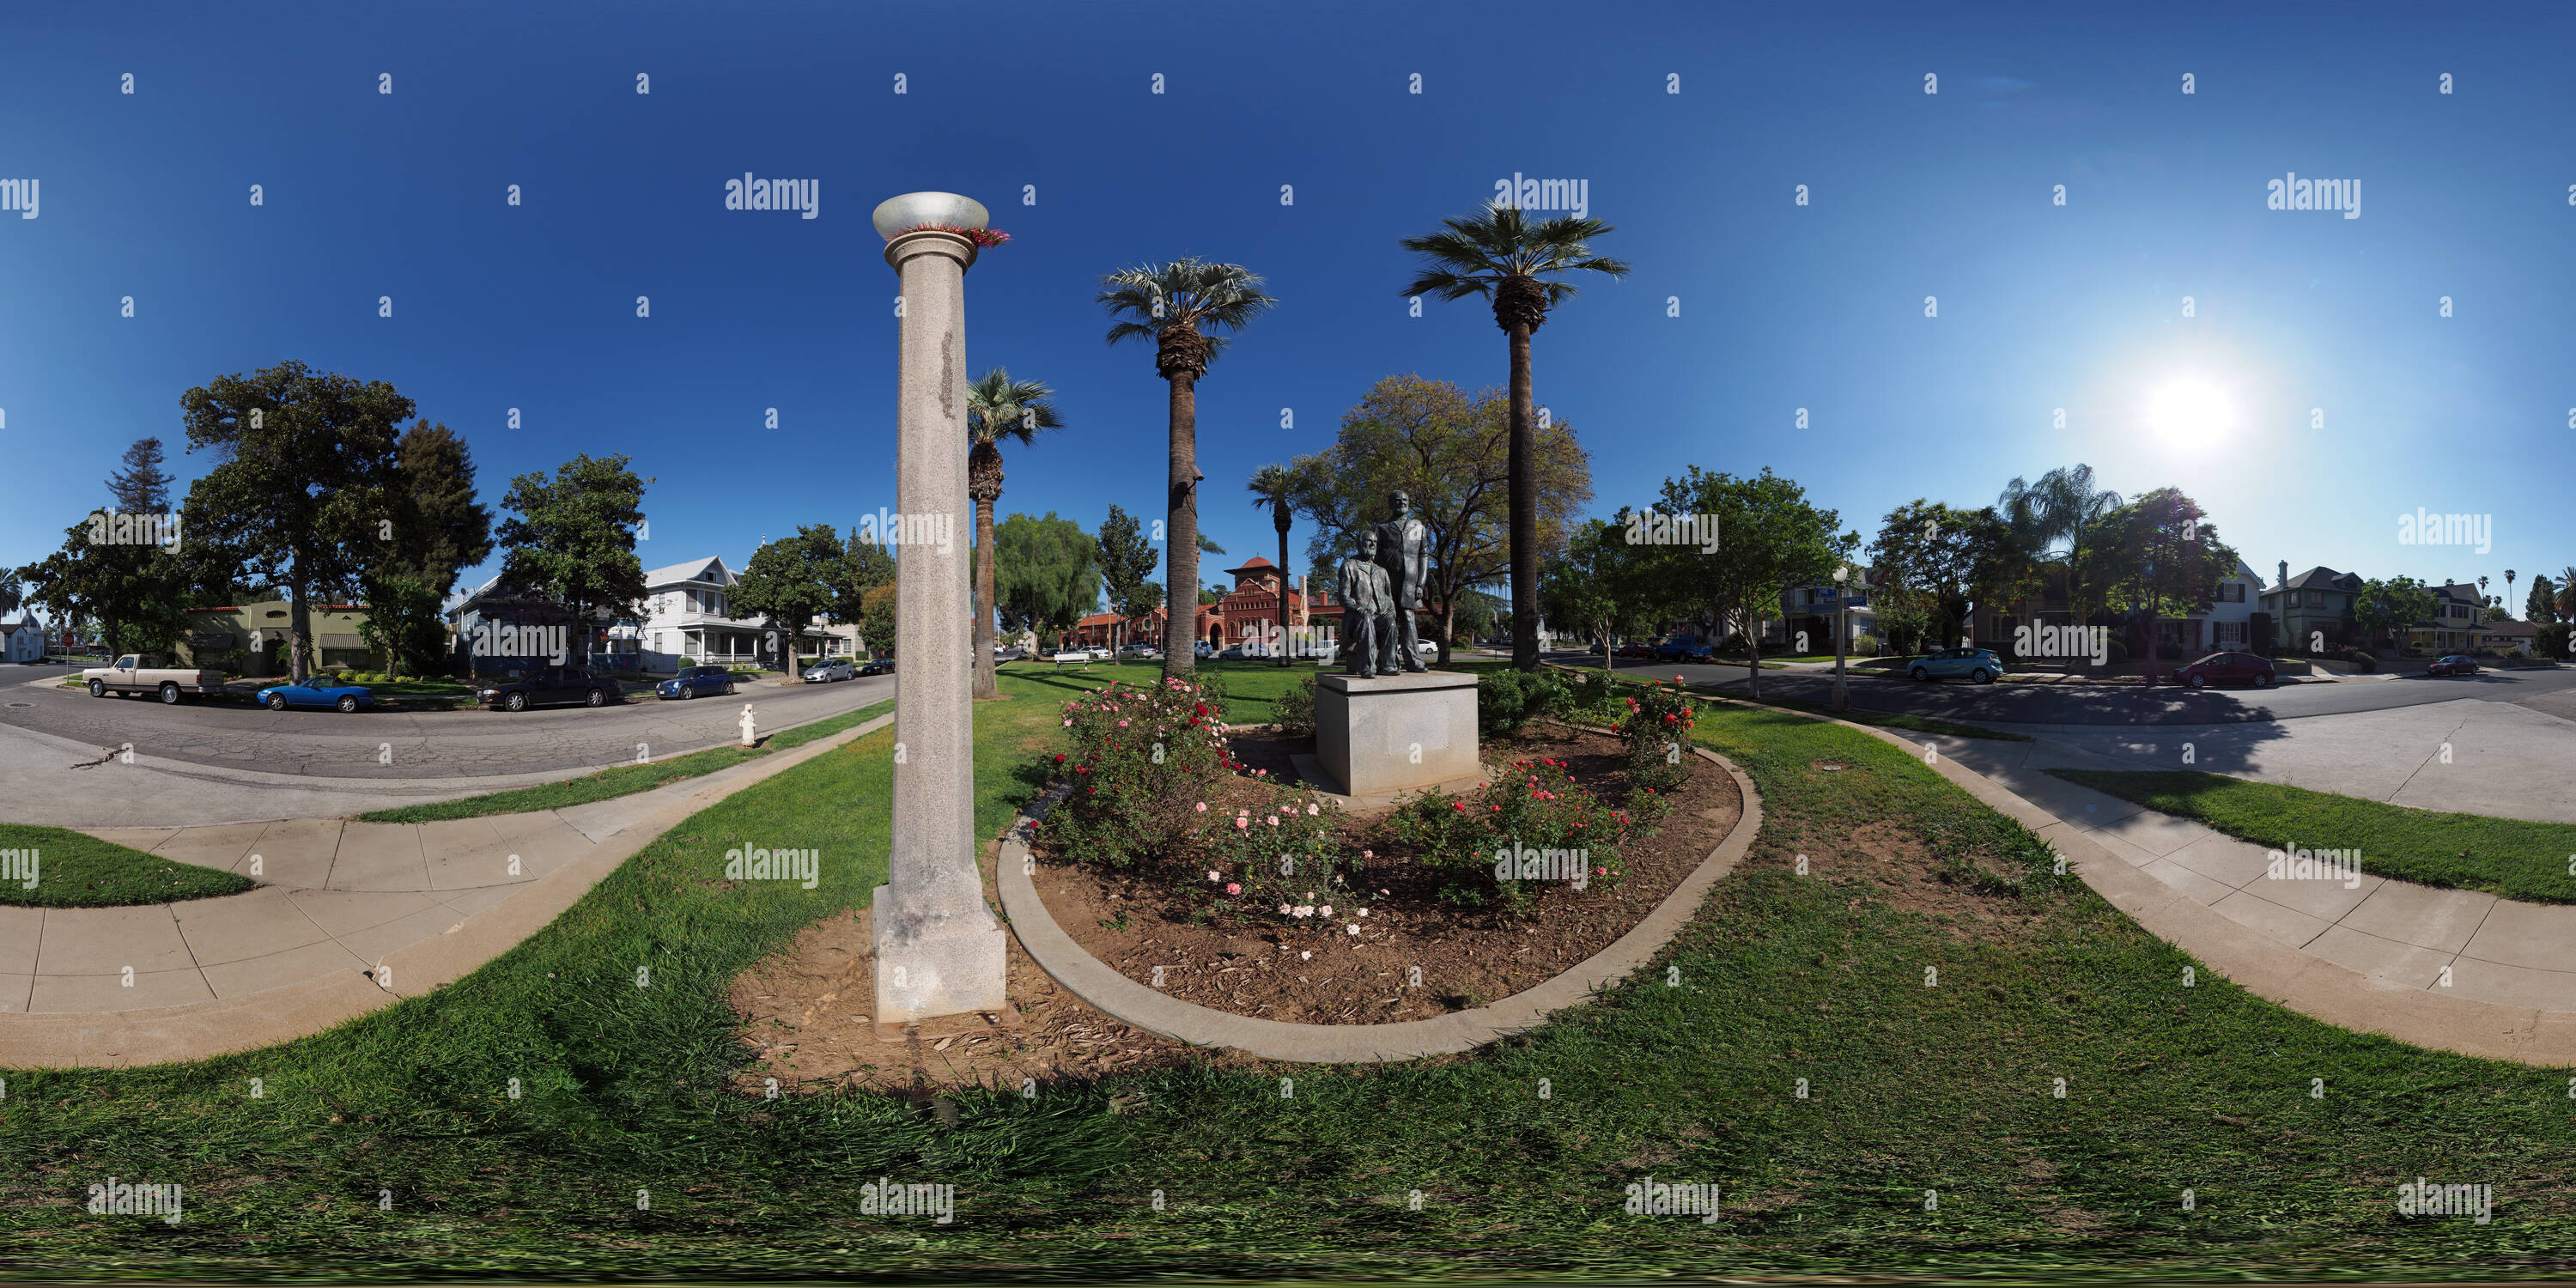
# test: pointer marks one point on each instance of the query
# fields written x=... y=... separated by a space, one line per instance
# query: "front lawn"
x=2512 y=858
x=1861 y=1041
x=75 y=870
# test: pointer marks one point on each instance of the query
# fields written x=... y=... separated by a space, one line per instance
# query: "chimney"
x=2285 y=576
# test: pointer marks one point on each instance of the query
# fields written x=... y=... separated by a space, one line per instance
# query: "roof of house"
x=693 y=570
x=2323 y=578
x=2464 y=591
x=2514 y=627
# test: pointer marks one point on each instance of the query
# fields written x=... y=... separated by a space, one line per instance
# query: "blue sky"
x=1949 y=195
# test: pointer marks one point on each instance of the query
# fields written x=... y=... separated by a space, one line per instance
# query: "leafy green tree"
x=2386 y=606
x=439 y=529
x=572 y=538
x=304 y=491
x=792 y=581
x=863 y=568
x=1046 y=572
x=1500 y=255
x=135 y=592
x=2541 y=608
x=998 y=409
x=1931 y=561
x=1593 y=584
x=1127 y=562
x=1769 y=539
x=1451 y=453
x=876 y=618
x=2159 y=556
x=1172 y=304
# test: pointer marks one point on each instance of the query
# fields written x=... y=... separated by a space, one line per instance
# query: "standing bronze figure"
x=1403 y=546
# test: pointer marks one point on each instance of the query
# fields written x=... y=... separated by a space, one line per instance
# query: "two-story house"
x=2456 y=625
x=688 y=613
x=2313 y=607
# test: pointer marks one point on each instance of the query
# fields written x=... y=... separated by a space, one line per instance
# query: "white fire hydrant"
x=748 y=738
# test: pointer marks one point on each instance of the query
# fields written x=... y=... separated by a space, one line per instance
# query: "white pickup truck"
x=143 y=673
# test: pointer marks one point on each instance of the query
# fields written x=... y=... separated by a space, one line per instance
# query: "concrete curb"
x=201 y=1030
x=2276 y=972
x=1136 y=1004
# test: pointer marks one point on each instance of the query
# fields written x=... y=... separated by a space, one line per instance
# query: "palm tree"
x=1501 y=256
x=2065 y=505
x=2508 y=591
x=2567 y=593
x=1168 y=304
x=997 y=407
x=1270 y=486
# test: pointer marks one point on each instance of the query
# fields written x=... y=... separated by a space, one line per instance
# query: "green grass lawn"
x=621 y=780
x=1881 y=719
x=73 y=870
x=2513 y=858
x=1519 y=1151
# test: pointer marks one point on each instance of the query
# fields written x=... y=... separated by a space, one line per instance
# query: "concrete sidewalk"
x=352 y=917
x=2453 y=944
x=2504 y=760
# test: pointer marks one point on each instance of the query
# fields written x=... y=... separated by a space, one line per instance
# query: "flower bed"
x=1269 y=902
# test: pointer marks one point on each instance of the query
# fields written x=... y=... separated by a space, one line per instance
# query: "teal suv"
x=1979 y=664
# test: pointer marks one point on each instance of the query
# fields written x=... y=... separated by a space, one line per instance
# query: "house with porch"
x=2314 y=606
x=2456 y=625
x=688 y=613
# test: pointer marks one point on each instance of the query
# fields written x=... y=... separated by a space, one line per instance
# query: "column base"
x=953 y=970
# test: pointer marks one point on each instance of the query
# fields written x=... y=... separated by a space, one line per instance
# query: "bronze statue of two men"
x=1381 y=588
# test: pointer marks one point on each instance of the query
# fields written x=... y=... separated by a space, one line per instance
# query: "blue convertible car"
x=316 y=692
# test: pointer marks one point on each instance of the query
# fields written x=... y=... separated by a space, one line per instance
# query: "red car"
x=2227 y=668
x=1636 y=650
x=2452 y=664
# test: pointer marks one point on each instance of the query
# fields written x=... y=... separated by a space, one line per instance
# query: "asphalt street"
x=414 y=745
x=2551 y=692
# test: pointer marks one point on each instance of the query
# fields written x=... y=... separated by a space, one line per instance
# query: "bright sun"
x=2190 y=413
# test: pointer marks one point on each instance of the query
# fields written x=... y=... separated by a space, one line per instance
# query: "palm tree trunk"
x=986 y=685
x=1283 y=593
x=1182 y=567
x=1524 y=521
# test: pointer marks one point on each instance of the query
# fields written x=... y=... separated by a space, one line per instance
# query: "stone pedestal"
x=939 y=949
x=1396 y=733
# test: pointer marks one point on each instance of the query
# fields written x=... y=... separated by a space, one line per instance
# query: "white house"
x=687 y=613
x=22 y=640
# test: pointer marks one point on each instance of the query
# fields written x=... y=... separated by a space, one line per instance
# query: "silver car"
x=838 y=668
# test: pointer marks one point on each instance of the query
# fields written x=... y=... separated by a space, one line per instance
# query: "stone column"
x=939 y=948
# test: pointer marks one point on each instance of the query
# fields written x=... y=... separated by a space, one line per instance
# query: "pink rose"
x=1242 y=822
x=1233 y=887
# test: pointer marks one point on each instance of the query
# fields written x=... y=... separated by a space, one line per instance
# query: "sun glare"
x=2190 y=413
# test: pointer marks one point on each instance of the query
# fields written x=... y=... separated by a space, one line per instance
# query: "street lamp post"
x=939 y=950
x=1842 y=629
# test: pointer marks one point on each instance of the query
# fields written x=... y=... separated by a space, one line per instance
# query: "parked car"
x=2227 y=668
x=318 y=691
x=1683 y=648
x=551 y=685
x=1012 y=654
x=1636 y=650
x=1978 y=664
x=878 y=666
x=1202 y=648
x=696 y=682
x=2452 y=664
x=149 y=673
x=1142 y=652
x=830 y=669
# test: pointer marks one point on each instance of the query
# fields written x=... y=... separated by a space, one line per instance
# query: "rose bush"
x=1142 y=756
x=1536 y=806
x=1655 y=727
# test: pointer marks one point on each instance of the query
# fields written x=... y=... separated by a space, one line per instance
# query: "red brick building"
x=1247 y=612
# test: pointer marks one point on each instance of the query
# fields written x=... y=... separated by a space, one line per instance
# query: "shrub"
x=1296 y=707
x=1467 y=839
x=1654 y=728
x=686 y=662
x=1281 y=864
x=1142 y=757
x=1591 y=697
x=1506 y=700
x=2550 y=639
